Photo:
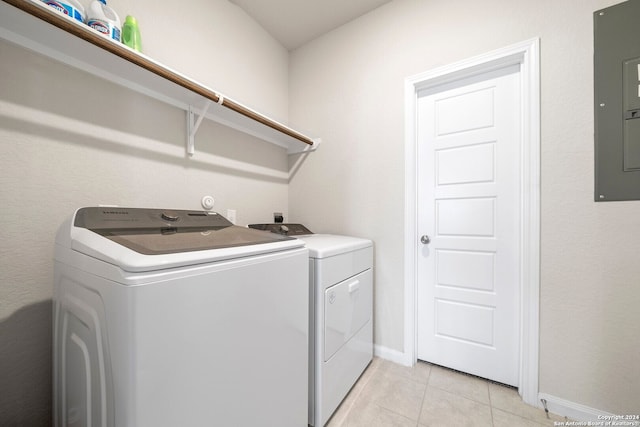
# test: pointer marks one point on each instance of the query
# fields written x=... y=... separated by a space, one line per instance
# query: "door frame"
x=527 y=55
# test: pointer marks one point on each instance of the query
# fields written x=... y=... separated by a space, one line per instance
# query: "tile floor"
x=428 y=395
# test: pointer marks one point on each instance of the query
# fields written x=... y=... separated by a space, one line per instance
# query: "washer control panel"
x=285 y=229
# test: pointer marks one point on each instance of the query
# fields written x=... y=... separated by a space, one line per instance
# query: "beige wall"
x=68 y=139
x=347 y=87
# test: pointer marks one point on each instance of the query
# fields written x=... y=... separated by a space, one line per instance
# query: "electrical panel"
x=617 y=102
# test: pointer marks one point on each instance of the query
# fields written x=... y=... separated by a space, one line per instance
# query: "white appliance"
x=341 y=308
x=178 y=318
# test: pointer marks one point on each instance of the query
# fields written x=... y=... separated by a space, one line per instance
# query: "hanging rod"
x=148 y=64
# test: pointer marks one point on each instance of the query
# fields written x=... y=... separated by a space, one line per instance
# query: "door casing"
x=527 y=56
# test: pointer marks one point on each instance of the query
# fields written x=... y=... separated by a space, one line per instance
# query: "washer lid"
x=148 y=239
x=327 y=245
x=158 y=232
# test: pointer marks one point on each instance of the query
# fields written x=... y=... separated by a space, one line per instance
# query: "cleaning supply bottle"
x=131 y=33
x=71 y=8
x=105 y=20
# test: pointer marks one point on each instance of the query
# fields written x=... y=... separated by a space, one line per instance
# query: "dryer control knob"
x=284 y=229
x=169 y=217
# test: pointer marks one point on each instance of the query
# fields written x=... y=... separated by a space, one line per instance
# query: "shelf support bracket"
x=307 y=148
x=192 y=126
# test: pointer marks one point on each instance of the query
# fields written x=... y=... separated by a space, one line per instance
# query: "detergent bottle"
x=131 y=33
x=103 y=19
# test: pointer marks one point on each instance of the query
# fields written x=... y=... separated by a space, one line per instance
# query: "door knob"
x=425 y=240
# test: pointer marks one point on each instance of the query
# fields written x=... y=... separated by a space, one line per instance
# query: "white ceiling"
x=295 y=22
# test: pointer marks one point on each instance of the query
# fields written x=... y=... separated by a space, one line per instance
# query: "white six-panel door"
x=469 y=207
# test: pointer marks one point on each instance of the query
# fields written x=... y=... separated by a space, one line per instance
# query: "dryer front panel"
x=348 y=307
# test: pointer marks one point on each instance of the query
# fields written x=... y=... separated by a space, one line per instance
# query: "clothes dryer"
x=341 y=314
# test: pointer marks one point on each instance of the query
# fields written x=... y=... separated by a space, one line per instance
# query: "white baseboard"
x=572 y=410
x=391 y=355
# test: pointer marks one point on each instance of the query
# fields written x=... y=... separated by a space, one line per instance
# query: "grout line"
x=424 y=395
x=405 y=380
x=493 y=423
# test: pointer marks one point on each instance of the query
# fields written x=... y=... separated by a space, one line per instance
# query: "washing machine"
x=178 y=318
x=341 y=314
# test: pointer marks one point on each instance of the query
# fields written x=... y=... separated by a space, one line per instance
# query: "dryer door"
x=348 y=306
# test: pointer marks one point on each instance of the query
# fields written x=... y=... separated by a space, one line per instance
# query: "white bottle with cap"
x=103 y=19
